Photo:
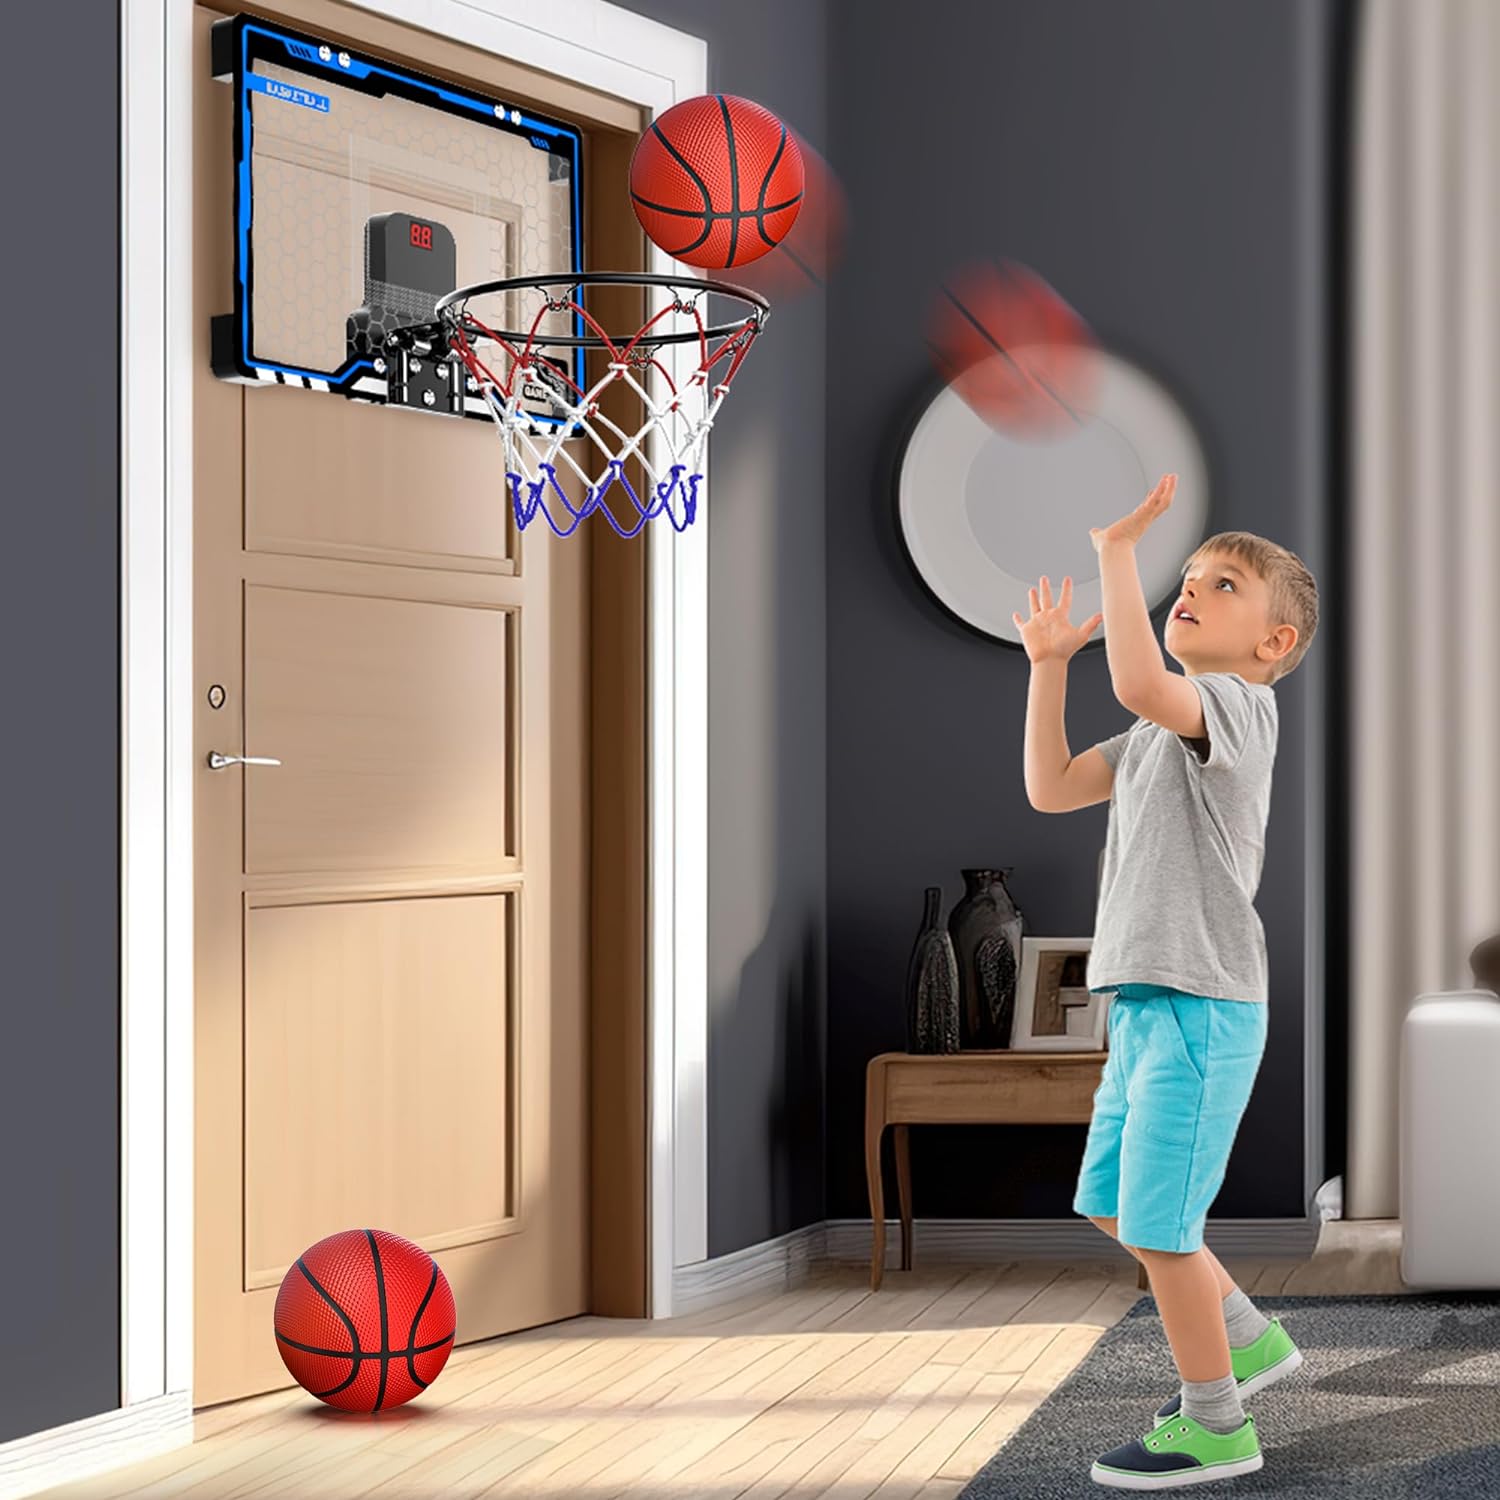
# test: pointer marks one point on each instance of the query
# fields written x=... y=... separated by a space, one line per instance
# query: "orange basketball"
x=716 y=181
x=364 y=1320
x=1014 y=350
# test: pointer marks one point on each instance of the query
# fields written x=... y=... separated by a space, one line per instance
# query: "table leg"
x=1141 y=1279
x=874 y=1129
x=903 y=1190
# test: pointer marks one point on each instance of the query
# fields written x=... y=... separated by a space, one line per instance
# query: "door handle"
x=217 y=762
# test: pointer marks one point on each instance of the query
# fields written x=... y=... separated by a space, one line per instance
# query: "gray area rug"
x=1398 y=1399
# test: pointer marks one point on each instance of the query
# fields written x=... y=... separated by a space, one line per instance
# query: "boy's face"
x=1228 y=606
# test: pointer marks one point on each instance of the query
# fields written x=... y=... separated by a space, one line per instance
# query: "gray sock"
x=1214 y=1403
x=1242 y=1321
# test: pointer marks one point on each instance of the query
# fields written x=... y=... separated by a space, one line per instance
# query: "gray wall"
x=59 y=765
x=1162 y=163
x=767 y=694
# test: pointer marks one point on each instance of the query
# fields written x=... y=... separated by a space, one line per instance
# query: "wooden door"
x=392 y=924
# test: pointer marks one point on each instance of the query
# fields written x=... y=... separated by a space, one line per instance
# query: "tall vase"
x=932 y=984
x=986 y=927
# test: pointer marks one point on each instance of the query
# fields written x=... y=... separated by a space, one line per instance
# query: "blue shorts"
x=1178 y=1078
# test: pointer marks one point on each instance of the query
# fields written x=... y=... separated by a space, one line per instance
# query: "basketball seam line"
x=405 y=1353
x=385 y=1330
x=348 y=1323
x=734 y=177
x=765 y=184
x=687 y=167
x=411 y=1334
x=720 y=213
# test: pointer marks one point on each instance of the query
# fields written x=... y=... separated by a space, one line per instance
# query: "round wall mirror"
x=983 y=515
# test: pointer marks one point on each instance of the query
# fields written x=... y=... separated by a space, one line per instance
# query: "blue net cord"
x=536 y=498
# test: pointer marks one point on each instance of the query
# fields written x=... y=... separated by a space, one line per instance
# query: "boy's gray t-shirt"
x=1185 y=846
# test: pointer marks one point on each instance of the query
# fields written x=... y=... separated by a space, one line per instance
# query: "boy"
x=1180 y=943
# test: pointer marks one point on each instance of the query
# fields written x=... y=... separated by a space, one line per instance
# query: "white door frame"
x=597 y=44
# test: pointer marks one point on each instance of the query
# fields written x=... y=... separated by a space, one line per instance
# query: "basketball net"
x=536 y=448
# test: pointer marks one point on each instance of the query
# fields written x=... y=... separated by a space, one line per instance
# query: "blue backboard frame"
x=237 y=43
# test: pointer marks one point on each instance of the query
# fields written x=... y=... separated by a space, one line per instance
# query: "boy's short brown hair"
x=1292 y=591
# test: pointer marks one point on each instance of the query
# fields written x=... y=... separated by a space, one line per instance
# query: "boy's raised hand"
x=1049 y=635
x=1128 y=530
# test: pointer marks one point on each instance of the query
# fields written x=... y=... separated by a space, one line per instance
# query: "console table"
x=965 y=1088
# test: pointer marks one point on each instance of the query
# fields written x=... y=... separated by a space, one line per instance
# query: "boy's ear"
x=1281 y=640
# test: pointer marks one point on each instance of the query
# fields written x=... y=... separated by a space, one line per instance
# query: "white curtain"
x=1425 y=540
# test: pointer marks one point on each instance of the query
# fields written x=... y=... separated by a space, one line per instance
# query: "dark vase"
x=986 y=927
x=932 y=984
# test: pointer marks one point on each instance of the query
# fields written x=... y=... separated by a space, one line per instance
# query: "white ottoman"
x=1449 y=1126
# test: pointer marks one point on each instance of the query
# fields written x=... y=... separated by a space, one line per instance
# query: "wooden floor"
x=827 y=1389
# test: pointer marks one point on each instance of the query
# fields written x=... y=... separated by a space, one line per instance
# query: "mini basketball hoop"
x=518 y=383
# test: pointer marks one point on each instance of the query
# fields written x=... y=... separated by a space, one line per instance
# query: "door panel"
x=430 y=491
x=392 y=721
x=379 y=1053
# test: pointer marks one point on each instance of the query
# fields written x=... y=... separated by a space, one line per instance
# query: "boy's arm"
x=1137 y=670
x=1174 y=704
x=1083 y=780
x=1047 y=754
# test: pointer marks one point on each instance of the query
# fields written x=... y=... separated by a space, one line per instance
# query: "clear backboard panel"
x=363 y=192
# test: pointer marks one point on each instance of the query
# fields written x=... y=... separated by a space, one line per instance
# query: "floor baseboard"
x=781 y=1262
x=784 y=1261
x=1053 y=1239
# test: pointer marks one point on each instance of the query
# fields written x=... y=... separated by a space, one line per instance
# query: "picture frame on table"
x=1054 y=1010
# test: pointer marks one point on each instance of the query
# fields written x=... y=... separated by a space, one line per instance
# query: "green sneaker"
x=1177 y=1453
x=1272 y=1357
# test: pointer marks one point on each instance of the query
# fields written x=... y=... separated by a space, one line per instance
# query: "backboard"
x=363 y=192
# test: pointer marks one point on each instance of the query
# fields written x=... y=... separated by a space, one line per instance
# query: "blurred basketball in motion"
x=1014 y=350
x=716 y=181
x=364 y=1320
x=814 y=245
